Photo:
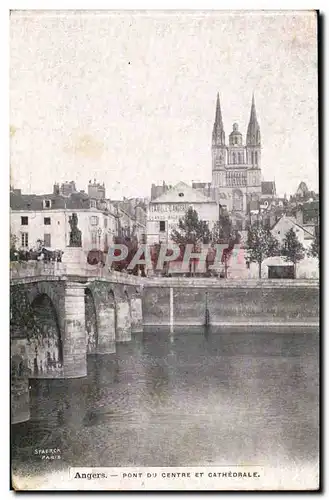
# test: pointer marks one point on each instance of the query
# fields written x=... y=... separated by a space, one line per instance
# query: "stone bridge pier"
x=123 y=315
x=101 y=314
x=136 y=310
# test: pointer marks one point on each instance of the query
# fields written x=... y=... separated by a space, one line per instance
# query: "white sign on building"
x=165 y=211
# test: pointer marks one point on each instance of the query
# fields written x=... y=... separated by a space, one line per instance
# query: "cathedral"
x=236 y=166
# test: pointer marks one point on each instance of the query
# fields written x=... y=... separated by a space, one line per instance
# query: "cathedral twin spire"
x=253 y=131
x=218 y=134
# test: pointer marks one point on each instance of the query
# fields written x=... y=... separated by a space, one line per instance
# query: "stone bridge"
x=64 y=317
x=59 y=316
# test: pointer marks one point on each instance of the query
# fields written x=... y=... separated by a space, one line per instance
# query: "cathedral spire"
x=218 y=118
x=253 y=132
x=218 y=134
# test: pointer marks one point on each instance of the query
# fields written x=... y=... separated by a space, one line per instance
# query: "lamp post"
x=99 y=233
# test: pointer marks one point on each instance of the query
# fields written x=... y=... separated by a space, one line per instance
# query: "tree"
x=292 y=250
x=191 y=230
x=222 y=230
x=315 y=247
x=13 y=247
x=261 y=244
x=22 y=316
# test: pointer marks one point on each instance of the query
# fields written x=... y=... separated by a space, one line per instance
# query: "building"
x=96 y=190
x=157 y=191
x=46 y=218
x=268 y=190
x=164 y=212
x=66 y=188
x=131 y=215
x=302 y=190
x=236 y=173
x=236 y=166
x=303 y=195
x=284 y=224
x=308 y=213
x=205 y=188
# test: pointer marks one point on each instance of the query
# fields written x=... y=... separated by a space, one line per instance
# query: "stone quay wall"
x=183 y=301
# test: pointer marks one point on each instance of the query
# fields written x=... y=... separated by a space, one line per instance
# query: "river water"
x=193 y=397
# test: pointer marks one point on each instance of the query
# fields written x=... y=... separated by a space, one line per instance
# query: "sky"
x=129 y=98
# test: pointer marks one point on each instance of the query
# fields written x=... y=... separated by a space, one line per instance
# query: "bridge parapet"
x=35 y=269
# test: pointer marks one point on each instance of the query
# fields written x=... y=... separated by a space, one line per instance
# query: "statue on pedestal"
x=75 y=234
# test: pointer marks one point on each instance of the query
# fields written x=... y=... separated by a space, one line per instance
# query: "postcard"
x=164 y=250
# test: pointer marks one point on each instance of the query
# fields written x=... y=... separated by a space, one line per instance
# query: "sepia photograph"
x=164 y=250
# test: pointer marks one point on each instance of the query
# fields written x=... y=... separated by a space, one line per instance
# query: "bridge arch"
x=91 y=322
x=45 y=348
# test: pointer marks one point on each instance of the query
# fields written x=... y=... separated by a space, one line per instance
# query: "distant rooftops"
x=35 y=202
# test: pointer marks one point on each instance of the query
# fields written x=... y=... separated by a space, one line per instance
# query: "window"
x=105 y=222
x=47 y=239
x=94 y=220
x=256 y=158
x=252 y=157
x=46 y=203
x=46 y=221
x=234 y=159
x=24 y=221
x=92 y=203
x=25 y=240
x=181 y=194
x=162 y=225
x=237 y=200
x=239 y=158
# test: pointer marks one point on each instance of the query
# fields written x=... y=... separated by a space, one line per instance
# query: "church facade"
x=236 y=166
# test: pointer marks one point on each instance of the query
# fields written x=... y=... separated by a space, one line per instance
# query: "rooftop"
x=35 y=202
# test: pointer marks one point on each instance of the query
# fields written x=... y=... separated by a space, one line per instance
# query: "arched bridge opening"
x=91 y=322
x=45 y=350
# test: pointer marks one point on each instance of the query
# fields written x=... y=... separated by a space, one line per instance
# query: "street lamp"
x=99 y=232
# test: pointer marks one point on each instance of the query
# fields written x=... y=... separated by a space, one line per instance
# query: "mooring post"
x=171 y=309
x=207 y=311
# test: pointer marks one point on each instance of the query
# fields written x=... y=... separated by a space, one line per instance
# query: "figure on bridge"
x=75 y=234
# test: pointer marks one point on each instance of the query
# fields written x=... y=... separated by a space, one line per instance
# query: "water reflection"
x=182 y=398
